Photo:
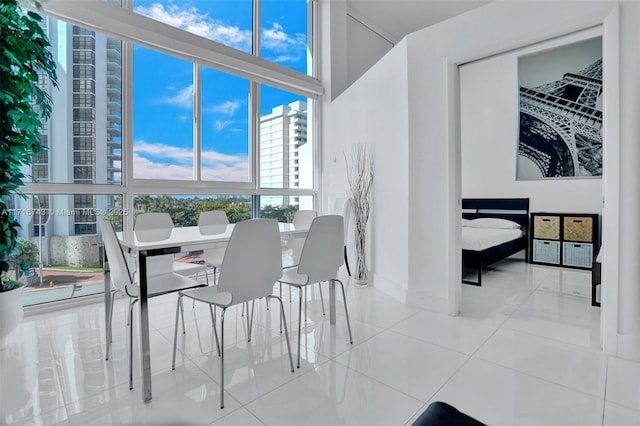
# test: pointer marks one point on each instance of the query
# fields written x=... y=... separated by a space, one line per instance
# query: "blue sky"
x=163 y=86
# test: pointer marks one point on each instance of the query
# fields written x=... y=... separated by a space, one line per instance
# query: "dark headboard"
x=515 y=209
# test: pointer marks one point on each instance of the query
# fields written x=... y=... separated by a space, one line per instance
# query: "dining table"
x=145 y=244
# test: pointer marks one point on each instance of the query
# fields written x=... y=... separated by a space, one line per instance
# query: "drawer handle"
x=577 y=221
x=545 y=242
x=546 y=220
x=577 y=245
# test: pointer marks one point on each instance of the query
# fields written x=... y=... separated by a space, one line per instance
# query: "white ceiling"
x=397 y=18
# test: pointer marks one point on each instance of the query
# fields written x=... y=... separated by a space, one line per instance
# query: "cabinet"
x=564 y=239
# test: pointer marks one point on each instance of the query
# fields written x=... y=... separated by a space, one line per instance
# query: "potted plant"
x=23 y=108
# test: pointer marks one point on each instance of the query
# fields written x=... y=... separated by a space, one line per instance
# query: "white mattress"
x=478 y=239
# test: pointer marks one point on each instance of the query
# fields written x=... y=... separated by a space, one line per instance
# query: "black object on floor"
x=442 y=414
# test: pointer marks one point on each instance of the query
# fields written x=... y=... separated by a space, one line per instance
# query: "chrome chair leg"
x=222 y=358
x=305 y=302
x=184 y=330
x=286 y=332
x=175 y=332
x=213 y=323
x=131 y=305
x=250 y=319
x=321 y=297
x=299 y=324
x=109 y=327
x=346 y=312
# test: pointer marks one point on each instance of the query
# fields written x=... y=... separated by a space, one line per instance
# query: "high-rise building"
x=82 y=138
x=282 y=133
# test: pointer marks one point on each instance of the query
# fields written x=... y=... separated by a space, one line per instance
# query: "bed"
x=493 y=229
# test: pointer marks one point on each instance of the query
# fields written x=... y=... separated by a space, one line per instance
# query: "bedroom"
x=489 y=129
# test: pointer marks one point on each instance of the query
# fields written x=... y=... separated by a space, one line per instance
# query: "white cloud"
x=192 y=20
x=222 y=124
x=227 y=108
x=285 y=47
x=183 y=98
x=161 y=161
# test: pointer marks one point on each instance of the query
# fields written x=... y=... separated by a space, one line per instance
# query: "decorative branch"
x=360 y=173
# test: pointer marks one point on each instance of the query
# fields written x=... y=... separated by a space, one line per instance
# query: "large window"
x=225 y=127
x=285 y=26
x=228 y=22
x=286 y=145
x=132 y=121
x=162 y=116
x=185 y=209
x=62 y=244
x=83 y=145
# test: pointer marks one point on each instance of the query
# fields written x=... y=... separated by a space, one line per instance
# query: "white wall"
x=423 y=173
x=489 y=128
x=364 y=48
x=380 y=121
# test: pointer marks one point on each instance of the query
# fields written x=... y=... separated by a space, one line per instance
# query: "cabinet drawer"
x=577 y=254
x=577 y=228
x=546 y=227
x=546 y=251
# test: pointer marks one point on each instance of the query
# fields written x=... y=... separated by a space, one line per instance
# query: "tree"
x=24 y=56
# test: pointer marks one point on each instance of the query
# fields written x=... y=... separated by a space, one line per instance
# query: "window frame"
x=130 y=28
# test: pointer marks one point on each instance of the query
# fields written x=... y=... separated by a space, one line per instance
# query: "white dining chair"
x=344 y=208
x=301 y=219
x=157 y=226
x=122 y=279
x=252 y=265
x=320 y=260
x=209 y=223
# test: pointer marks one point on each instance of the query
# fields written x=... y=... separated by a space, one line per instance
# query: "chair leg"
x=346 y=312
x=131 y=305
x=299 y=324
x=113 y=298
x=250 y=319
x=184 y=330
x=286 y=332
x=283 y=308
x=321 y=297
x=215 y=331
x=305 y=303
x=346 y=261
x=222 y=358
x=175 y=331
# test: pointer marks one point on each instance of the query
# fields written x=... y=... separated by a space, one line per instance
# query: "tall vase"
x=361 y=274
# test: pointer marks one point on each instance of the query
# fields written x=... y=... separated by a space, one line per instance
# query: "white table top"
x=190 y=236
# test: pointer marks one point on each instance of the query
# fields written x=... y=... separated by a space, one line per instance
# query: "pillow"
x=465 y=222
x=493 y=222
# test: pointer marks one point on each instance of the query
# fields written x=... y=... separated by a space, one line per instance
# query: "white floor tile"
x=616 y=415
x=409 y=365
x=185 y=395
x=623 y=383
x=568 y=365
x=497 y=395
x=561 y=317
x=332 y=394
x=240 y=417
x=524 y=350
x=456 y=333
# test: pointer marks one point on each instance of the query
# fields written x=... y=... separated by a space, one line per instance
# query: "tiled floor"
x=523 y=352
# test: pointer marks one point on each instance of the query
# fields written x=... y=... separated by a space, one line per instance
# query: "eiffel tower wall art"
x=560 y=133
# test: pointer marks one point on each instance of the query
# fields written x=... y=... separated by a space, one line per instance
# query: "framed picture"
x=560 y=104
